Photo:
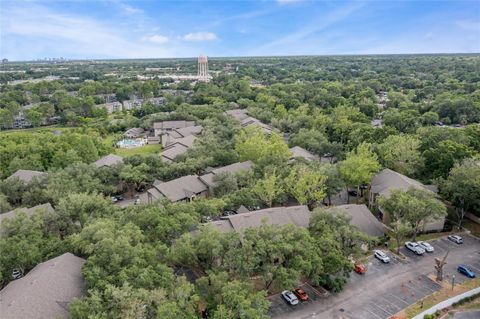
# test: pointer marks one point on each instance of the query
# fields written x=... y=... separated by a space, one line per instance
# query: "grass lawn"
x=472 y=226
x=50 y=128
x=126 y=152
x=143 y=150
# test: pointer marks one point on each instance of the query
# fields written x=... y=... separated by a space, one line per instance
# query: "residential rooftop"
x=295 y=215
x=300 y=152
x=231 y=169
x=109 y=160
x=387 y=180
x=28 y=211
x=361 y=217
x=178 y=189
x=26 y=175
x=46 y=291
x=170 y=125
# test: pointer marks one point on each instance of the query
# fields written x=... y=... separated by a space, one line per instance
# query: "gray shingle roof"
x=169 y=125
x=362 y=218
x=298 y=151
x=28 y=211
x=26 y=175
x=172 y=152
x=134 y=132
x=295 y=215
x=189 y=130
x=387 y=180
x=249 y=121
x=239 y=114
x=44 y=293
x=231 y=169
x=181 y=188
x=234 y=168
x=109 y=160
x=178 y=147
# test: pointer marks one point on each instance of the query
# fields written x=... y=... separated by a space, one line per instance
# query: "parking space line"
x=427 y=287
x=374 y=314
x=384 y=310
x=394 y=305
x=475 y=268
x=400 y=299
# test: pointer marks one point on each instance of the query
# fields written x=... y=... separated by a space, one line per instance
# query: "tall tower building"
x=202 y=66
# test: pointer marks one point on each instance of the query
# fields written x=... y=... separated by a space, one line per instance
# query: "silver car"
x=416 y=248
x=428 y=248
x=290 y=297
x=382 y=256
x=456 y=239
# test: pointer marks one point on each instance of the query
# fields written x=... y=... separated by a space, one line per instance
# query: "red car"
x=360 y=268
x=301 y=294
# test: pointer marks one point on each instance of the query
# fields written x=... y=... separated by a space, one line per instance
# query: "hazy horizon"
x=120 y=29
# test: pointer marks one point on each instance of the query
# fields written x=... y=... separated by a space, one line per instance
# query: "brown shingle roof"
x=298 y=151
x=109 y=160
x=45 y=292
x=231 y=169
x=239 y=114
x=249 y=121
x=181 y=188
x=169 y=125
x=26 y=175
x=189 y=130
x=28 y=211
x=178 y=147
x=296 y=215
x=362 y=218
x=387 y=180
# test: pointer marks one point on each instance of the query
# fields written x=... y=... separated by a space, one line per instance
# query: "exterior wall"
x=436 y=225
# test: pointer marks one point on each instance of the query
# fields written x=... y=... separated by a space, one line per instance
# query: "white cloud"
x=39 y=31
x=129 y=9
x=469 y=25
x=298 y=36
x=156 y=38
x=200 y=36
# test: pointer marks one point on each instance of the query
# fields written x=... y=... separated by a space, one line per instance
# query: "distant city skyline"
x=113 y=29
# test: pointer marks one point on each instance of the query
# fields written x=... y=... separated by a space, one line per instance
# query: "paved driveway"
x=387 y=288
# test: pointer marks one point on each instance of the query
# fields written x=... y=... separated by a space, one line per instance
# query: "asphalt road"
x=387 y=288
x=469 y=314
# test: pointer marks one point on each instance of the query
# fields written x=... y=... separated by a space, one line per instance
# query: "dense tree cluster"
x=356 y=114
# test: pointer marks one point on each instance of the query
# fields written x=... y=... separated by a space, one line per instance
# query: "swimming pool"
x=131 y=143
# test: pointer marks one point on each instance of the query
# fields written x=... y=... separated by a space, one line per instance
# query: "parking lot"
x=397 y=298
x=281 y=306
x=441 y=246
x=385 y=289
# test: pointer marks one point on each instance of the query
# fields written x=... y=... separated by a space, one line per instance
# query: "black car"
x=119 y=197
x=141 y=189
x=229 y=213
x=353 y=193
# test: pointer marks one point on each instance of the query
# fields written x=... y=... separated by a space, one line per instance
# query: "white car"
x=416 y=248
x=428 y=248
x=456 y=239
x=290 y=297
x=16 y=274
x=382 y=256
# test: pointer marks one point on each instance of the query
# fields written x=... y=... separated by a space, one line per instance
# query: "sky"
x=100 y=29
